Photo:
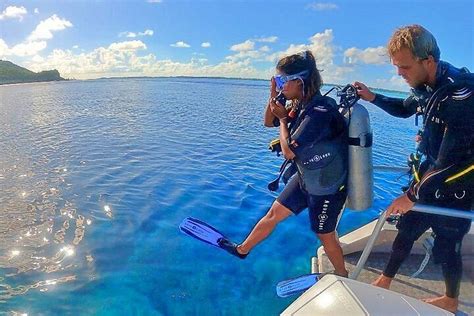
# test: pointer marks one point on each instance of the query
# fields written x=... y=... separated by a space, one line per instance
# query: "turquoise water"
x=95 y=177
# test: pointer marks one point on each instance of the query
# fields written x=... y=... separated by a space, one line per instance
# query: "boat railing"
x=381 y=221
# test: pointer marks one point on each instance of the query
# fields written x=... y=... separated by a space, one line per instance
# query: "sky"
x=87 y=39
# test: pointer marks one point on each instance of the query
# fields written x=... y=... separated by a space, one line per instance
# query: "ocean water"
x=95 y=177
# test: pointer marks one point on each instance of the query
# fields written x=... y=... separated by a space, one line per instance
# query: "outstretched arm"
x=394 y=106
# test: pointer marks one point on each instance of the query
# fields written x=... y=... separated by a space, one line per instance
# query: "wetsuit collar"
x=441 y=74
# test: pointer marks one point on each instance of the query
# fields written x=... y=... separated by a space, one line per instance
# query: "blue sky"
x=87 y=39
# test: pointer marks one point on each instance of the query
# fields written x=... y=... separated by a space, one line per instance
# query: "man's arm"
x=394 y=106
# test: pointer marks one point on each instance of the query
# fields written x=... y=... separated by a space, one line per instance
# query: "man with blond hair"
x=444 y=96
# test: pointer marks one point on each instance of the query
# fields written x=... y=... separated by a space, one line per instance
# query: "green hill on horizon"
x=11 y=73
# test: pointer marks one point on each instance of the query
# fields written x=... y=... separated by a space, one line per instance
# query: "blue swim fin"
x=297 y=285
x=208 y=234
x=202 y=231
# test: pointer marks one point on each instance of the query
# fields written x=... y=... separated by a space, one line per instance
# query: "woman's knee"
x=277 y=213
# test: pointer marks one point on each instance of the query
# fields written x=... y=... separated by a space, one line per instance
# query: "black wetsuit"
x=446 y=178
x=320 y=133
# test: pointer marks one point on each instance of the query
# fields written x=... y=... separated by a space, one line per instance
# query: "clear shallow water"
x=95 y=177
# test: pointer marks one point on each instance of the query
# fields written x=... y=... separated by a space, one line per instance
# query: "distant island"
x=11 y=73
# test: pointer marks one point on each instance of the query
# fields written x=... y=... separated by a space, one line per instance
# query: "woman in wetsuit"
x=316 y=141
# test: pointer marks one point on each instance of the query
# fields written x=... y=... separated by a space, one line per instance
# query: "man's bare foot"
x=445 y=302
x=383 y=282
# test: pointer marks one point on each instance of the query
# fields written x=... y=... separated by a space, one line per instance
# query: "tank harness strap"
x=364 y=140
x=428 y=244
x=414 y=163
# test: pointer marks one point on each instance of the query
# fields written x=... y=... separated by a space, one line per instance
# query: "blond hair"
x=417 y=39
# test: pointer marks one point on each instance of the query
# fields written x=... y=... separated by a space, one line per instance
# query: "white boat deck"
x=429 y=283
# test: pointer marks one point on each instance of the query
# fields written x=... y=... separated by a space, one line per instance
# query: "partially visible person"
x=444 y=96
x=316 y=141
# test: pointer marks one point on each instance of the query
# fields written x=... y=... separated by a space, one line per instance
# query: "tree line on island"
x=11 y=73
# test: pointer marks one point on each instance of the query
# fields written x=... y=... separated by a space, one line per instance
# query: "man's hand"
x=364 y=92
x=400 y=205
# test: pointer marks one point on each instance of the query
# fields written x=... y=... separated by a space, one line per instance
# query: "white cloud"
x=320 y=44
x=127 y=46
x=154 y=1
x=146 y=33
x=37 y=59
x=247 y=45
x=244 y=55
x=75 y=46
x=13 y=12
x=129 y=58
x=395 y=83
x=127 y=34
x=206 y=45
x=36 y=11
x=323 y=49
x=36 y=41
x=322 y=6
x=4 y=51
x=370 y=55
x=201 y=61
x=106 y=62
x=28 y=48
x=133 y=34
x=180 y=44
x=45 y=28
x=270 y=39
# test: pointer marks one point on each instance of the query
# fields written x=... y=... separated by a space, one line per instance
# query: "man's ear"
x=431 y=59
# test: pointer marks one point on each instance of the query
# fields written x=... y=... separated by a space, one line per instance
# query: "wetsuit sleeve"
x=396 y=106
x=455 y=152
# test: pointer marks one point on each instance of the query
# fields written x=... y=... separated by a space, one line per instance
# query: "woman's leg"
x=264 y=227
x=334 y=251
x=324 y=211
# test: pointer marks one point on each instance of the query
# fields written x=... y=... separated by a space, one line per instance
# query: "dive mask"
x=280 y=80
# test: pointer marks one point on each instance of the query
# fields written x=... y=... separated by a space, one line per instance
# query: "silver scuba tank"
x=360 y=180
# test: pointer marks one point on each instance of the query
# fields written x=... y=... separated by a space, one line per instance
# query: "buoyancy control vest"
x=322 y=165
x=456 y=84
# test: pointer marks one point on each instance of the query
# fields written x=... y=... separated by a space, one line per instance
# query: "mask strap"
x=303 y=54
x=302 y=81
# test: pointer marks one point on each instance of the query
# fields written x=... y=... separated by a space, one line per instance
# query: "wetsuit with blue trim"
x=446 y=176
x=318 y=138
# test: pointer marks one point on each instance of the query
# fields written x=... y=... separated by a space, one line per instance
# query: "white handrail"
x=418 y=208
